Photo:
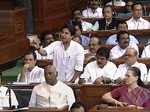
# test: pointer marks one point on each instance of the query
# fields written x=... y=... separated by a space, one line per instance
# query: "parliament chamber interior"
x=75 y=55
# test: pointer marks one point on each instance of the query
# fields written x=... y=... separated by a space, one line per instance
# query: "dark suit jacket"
x=112 y=25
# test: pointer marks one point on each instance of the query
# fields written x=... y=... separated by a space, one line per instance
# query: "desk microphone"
x=9 y=93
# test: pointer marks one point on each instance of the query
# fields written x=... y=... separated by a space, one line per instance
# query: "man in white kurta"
x=92 y=71
x=66 y=61
x=31 y=73
x=4 y=97
x=136 y=21
x=146 y=52
x=52 y=93
x=36 y=75
x=123 y=43
x=93 y=11
x=101 y=68
x=122 y=26
x=131 y=61
x=117 y=52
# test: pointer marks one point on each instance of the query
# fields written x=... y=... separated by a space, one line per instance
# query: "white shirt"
x=146 y=52
x=117 y=3
x=122 y=70
x=117 y=52
x=88 y=13
x=34 y=76
x=4 y=97
x=86 y=26
x=92 y=71
x=112 y=40
x=66 y=61
x=45 y=95
x=138 y=24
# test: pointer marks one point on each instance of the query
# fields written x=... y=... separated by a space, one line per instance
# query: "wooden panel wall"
x=53 y=14
x=13 y=41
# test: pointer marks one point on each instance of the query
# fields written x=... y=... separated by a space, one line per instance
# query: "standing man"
x=68 y=56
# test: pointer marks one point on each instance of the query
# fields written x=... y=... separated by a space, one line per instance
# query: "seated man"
x=137 y=22
x=31 y=73
x=127 y=10
x=4 y=97
x=77 y=17
x=90 y=54
x=77 y=107
x=131 y=56
x=93 y=11
x=132 y=94
x=99 y=71
x=52 y=93
x=146 y=52
x=123 y=43
x=122 y=26
x=46 y=38
x=84 y=40
x=108 y=22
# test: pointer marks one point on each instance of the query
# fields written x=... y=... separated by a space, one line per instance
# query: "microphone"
x=9 y=93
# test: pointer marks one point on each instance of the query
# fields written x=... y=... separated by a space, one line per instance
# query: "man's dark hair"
x=120 y=33
x=31 y=52
x=72 y=31
x=122 y=22
x=76 y=105
x=44 y=34
x=136 y=3
x=106 y=6
x=103 y=51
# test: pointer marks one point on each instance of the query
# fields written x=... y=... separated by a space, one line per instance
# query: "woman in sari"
x=132 y=94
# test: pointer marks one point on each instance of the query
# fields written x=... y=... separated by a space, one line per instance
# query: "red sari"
x=138 y=96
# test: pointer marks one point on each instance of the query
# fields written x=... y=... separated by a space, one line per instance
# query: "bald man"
x=91 y=52
x=131 y=56
x=52 y=93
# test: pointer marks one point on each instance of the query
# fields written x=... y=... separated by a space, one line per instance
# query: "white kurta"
x=122 y=70
x=112 y=40
x=88 y=13
x=146 y=52
x=45 y=95
x=34 y=76
x=66 y=61
x=92 y=71
x=138 y=24
x=117 y=52
x=4 y=97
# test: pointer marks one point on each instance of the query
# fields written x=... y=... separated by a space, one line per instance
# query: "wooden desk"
x=90 y=94
x=93 y=20
x=46 y=110
x=118 y=109
x=106 y=33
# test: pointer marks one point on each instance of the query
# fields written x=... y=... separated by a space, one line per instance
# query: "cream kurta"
x=45 y=95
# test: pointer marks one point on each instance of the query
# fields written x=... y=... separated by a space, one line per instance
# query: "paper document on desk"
x=20 y=83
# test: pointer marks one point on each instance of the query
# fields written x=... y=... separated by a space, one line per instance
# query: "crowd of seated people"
x=81 y=59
